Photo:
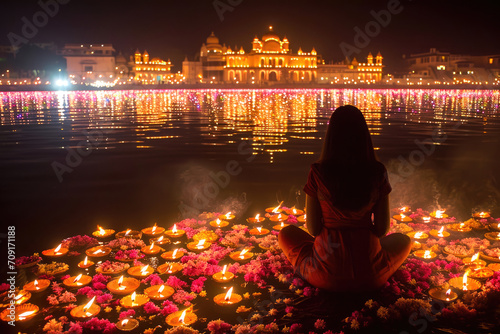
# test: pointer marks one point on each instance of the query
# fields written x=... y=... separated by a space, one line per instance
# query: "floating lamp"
x=223 y=276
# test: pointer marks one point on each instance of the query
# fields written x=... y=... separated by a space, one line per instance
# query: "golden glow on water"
x=272 y=120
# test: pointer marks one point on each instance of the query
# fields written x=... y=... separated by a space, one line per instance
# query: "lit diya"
x=181 y=318
x=493 y=236
x=153 y=231
x=474 y=261
x=481 y=215
x=439 y=214
x=151 y=249
x=426 y=220
x=495 y=227
x=77 y=281
x=141 y=271
x=223 y=276
x=123 y=286
x=37 y=285
x=415 y=245
x=173 y=255
x=198 y=245
x=439 y=234
x=276 y=209
x=461 y=227
x=279 y=217
x=159 y=292
x=103 y=233
x=280 y=226
x=227 y=299
x=465 y=283
x=441 y=294
x=404 y=209
x=86 y=311
x=219 y=223
x=481 y=273
x=20 y=298
x=129 y=234
x=259 y=231
x=302 y=219
x=55 y=252
x=227 y=216
x=170 y=268
x=127 y=325
x=174 y=232
x=294 y=211
x=256 y=219
x=402 y=218
x=241 y=256
x=134 y=300
x=20 y=312
x=161 y=240
x=418 y=235
x=209 y=236
x=85 y=263
x=425 y=254
x=98 y=251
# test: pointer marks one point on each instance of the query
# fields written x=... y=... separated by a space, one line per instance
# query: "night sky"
x=175 y=29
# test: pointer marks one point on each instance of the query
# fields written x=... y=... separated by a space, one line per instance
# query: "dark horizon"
x=174 y=30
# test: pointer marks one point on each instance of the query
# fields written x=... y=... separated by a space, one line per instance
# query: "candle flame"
x=128 y=231
x=228 y=215
x=228 y=294
x=403 y=209
x=464 y=280
x=418 y=235
x=224 y=271
x=86 y=260
x=154 y=228
x=257 y=217
x=448 y=292
x=440 y=232
x=276 y=209
x=217 y=221
x=89 y=304
x=175 y=253
x=402 y=216
x=77 y=278
x=152 y=246
x=426 y=219
x=482 y=214
x=200 y=243
x=174 y=229
x=144 y=270
x=498 y=235
x=181 y=318
x=26 y=314
x=124 y=322
x=279 y=216
x=160 y=239
x=305 y=216
x=474 y=257
x=282 y=224
x=101 y=230
x=132 y=297
x=120 y=280
x=19 y=296
x=35 y=284
x=161 y=288
x=58 y=248
x=439 y=213
x=259 y=229
x=427 y=254
x=294 y=211
x=242 y=253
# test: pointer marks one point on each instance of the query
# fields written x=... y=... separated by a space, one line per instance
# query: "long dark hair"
x=348 y=163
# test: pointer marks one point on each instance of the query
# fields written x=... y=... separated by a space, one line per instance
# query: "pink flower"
x=183 y=297
x=151 y=308
x=67 y=297
x=198 y=284
x=295 y=328
x=126 y=314
x=175 y=282
x=219 y=327
x=52 y=299
x=153 y=279
x=320 y=324
x=105 y=298
x=168 y=308
x=102 y=325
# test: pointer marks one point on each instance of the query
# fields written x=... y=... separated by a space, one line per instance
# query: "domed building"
x=150 y=71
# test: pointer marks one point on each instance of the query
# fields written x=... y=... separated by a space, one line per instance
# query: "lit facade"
x=354 y=72
x=150 y=71
x=89 y=62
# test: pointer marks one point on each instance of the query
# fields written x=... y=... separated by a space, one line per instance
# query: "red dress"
x=346 y=255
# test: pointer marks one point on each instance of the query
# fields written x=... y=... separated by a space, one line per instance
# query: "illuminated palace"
x=150 y=71
x=270 y=61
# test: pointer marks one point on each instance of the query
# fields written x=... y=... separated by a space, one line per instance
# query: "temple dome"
x=212 y=39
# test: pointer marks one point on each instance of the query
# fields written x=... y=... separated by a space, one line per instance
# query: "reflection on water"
x=270 y=119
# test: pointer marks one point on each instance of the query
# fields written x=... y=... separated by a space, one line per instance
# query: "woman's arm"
x=314 y=221
x=381 y=216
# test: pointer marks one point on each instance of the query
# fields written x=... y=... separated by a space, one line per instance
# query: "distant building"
x=89 y=62
x=437 y=67
x=270 y=61
x=352 y=71
x=150 y=71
